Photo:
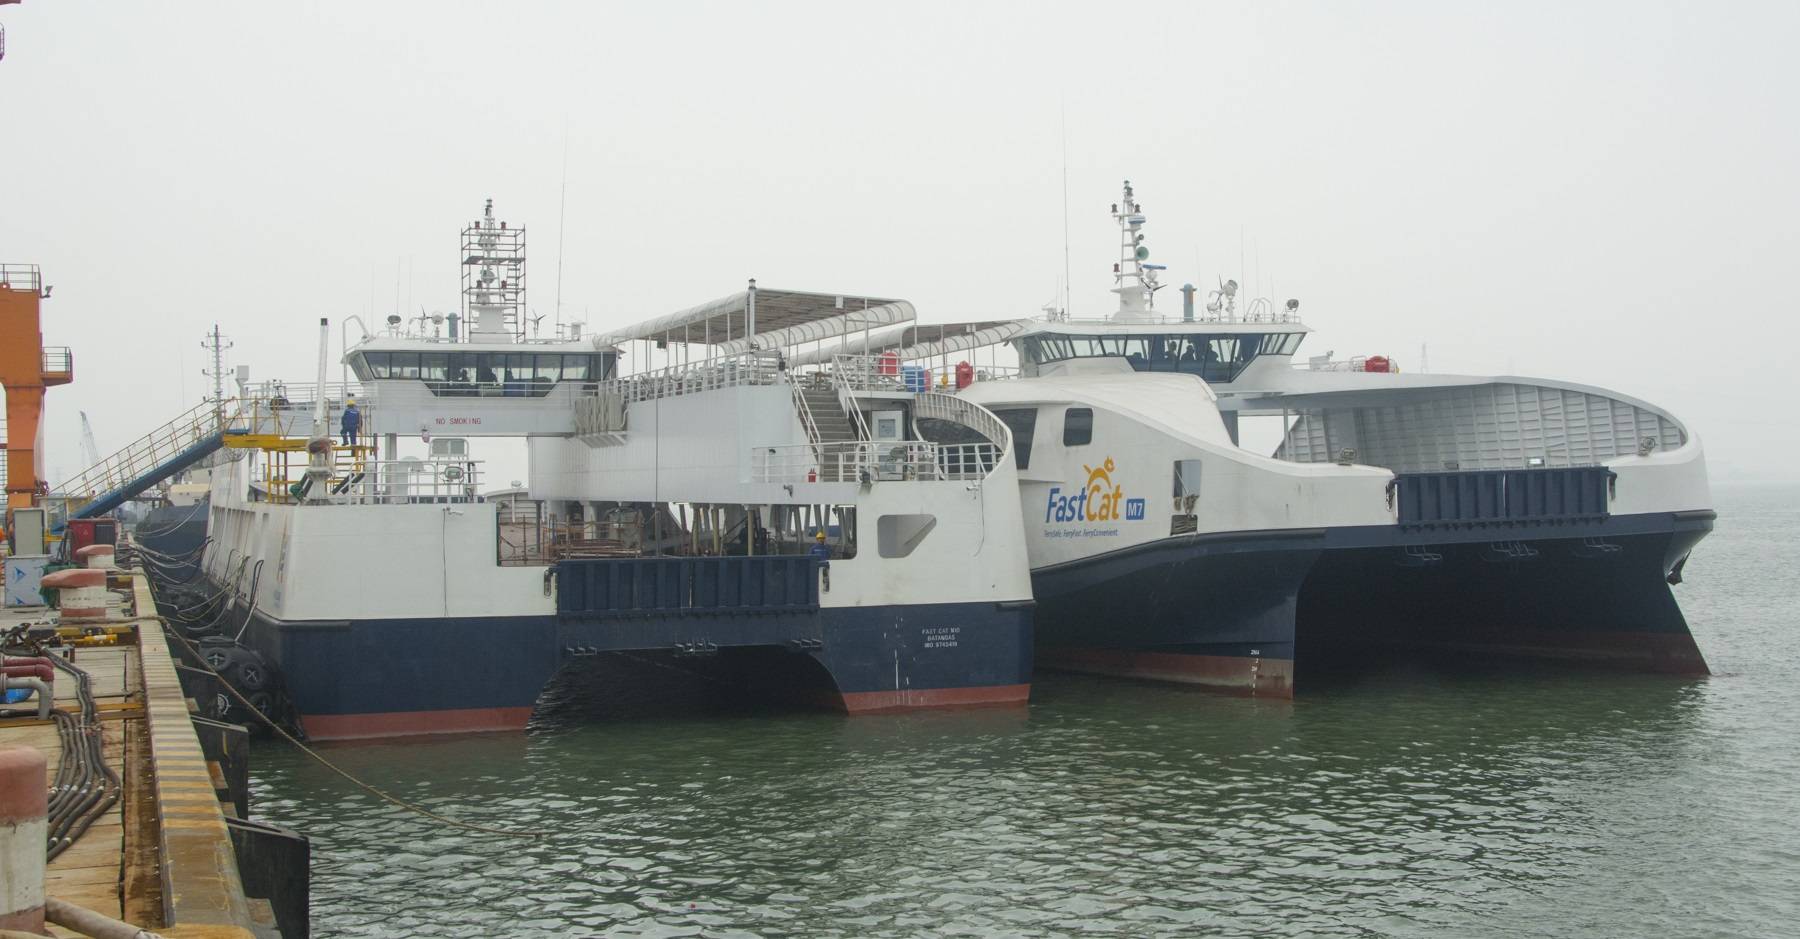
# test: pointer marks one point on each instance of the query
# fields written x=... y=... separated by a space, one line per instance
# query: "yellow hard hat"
x=820 y=536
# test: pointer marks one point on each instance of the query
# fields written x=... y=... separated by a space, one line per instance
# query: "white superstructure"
x=719 y=507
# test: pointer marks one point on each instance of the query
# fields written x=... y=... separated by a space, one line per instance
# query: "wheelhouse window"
x=1215 y=357
x=1078 y=427
x=484 y=374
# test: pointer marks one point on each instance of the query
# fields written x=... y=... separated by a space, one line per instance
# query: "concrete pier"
x=162 y=858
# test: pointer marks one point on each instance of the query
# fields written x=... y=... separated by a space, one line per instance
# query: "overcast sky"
x=1603 y=193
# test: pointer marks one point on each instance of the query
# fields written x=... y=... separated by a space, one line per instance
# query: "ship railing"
x=998 y=372
x=867 y=373
x=384 y=482
x=966 y=460
x=872 y=461
x=1177 y=319
x=803 y=408
x=732 y=371
x=302 y=394
x=147 y=452
x=1356 y=363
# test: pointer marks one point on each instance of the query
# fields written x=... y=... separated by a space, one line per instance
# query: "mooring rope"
x=372 y=790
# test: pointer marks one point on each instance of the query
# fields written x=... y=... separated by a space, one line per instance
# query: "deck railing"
x=746 y=368
x=864 y=461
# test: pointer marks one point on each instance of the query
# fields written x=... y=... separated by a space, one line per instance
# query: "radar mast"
x=1134 y=280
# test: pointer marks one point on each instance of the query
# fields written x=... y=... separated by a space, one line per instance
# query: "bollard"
x=102 y=556
x=24 y=803
x=83 y=592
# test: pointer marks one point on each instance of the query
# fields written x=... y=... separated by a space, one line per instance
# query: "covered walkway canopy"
x=753 y=312
x=912 y=341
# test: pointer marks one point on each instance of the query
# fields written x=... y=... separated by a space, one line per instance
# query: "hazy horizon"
x=1602 y=194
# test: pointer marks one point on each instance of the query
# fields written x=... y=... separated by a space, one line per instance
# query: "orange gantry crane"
x=27 y=367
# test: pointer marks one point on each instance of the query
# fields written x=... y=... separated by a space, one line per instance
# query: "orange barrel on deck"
x=24 y=807
x=83 y=592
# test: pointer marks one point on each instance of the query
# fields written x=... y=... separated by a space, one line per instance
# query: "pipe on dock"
x=24 y=824
x=89 y=923
x=25 y=668
x=38 y=685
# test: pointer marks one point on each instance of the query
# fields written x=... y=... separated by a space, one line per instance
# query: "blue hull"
x=1245 y=612
x=371 y=678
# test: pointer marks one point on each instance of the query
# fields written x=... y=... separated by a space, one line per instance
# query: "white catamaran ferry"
x=1415 y=511
x=722 y=514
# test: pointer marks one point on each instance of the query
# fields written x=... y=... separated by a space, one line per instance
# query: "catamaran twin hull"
x=1243 y=611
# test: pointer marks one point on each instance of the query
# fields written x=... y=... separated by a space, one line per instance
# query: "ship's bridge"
x=423 y=385
x=1217 y=352
x=531 y=371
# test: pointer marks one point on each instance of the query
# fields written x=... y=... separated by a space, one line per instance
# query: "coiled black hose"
x=86 y=787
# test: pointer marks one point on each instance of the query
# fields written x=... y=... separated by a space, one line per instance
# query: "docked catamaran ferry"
x=1400 y=511
x=721 y=514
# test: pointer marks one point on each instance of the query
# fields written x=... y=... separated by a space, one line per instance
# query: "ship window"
x=1280 y=343
x=549 y=368
x=405 y=365
x=897 y=535
x=434 y=366
x=1187 y=478
x=1078 y=427
x=378 y=364
x=1022 y=421
x=575 y=367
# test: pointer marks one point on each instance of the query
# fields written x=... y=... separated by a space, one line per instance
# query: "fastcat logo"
x=1097 y=501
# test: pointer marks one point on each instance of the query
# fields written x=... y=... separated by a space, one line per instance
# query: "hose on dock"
x=303 y=748
x=86 y=787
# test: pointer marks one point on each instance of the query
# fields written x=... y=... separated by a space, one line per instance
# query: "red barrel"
x=965 y=374
x=888 y=363
x=1377 y=363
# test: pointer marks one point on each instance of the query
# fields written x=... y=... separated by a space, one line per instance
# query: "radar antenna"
x=1134 y=279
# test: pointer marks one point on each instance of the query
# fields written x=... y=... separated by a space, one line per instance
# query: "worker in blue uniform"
x=822 y=552
x=351 y=423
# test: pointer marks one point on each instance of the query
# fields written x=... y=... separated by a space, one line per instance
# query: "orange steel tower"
x=26 y=369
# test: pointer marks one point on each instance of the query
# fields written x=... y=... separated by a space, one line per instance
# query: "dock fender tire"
x=248 y=671
x=216 y=651
x=265 y=704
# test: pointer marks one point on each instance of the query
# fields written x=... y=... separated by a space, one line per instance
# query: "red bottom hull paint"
x=875 y=702
x=413 y=723
x=1659 y=653
x=1257 y=676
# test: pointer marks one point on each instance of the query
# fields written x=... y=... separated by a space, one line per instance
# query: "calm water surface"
x=1400 y=802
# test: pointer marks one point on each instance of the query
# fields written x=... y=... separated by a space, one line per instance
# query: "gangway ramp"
x=152 y=458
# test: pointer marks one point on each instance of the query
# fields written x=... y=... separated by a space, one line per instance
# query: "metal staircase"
x=830 y=423
x=150 y=459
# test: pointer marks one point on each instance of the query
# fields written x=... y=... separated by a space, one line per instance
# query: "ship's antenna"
x=1133 y=280
x=216 y=344
x=1065 y=183
x=562 y=213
